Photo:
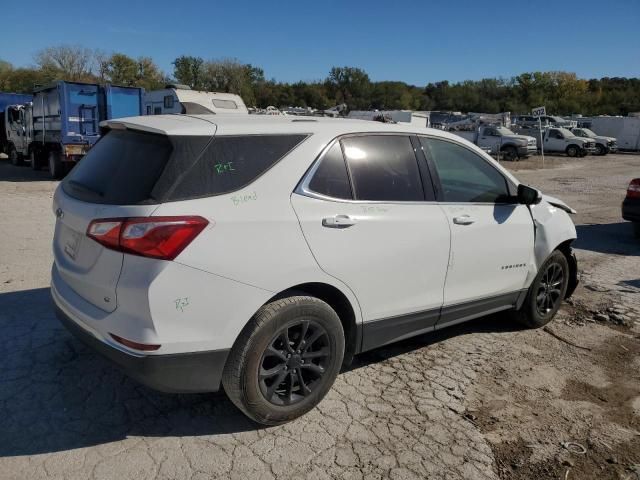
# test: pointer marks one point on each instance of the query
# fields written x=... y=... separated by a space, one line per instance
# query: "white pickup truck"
x=561 y=140
x=604 y=144
x=500 y=139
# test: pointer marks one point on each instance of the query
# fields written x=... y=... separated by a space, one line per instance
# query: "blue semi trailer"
x=66 y=120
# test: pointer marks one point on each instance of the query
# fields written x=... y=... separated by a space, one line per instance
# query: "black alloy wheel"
x=549 y=293
x=294 y=363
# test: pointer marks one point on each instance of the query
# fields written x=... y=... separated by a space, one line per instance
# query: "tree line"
x=562 y=93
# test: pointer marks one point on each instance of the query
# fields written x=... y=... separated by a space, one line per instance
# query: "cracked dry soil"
x=483 y=400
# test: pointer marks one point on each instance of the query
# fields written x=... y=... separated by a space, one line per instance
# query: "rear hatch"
x=118 y=178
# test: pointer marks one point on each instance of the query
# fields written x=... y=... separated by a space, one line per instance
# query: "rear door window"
x=121 y=169
x=383 y=168
x=230 y=163
x=331 y=177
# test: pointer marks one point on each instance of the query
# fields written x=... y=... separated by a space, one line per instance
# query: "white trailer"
x=181 y=99
x=625 y=129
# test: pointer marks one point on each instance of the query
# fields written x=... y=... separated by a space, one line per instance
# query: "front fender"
x=553 y=228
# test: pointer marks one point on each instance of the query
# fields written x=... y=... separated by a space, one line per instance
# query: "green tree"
x=189 y=70
x=351 y=86
x=122 y=70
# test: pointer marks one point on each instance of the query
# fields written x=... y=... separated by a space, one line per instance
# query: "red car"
x=631 y=205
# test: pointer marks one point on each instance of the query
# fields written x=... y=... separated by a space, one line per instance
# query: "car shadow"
x=22 y=173
x=611 y=238
x=56 y=394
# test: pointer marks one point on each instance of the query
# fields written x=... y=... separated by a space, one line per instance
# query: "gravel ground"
x=484 y=400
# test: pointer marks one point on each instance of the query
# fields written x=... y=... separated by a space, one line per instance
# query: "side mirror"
x=528 y=195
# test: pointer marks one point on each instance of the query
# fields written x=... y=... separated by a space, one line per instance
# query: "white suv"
x=262 y=253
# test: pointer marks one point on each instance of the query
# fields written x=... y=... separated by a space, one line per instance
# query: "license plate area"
x=71 y=243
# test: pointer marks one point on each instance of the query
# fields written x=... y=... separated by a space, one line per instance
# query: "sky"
x=413 y=41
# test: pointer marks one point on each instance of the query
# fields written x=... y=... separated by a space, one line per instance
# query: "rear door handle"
x=338 y=221
x=463 y=220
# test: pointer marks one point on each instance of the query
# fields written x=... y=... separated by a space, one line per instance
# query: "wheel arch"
x=337 y=300
x=567 y=251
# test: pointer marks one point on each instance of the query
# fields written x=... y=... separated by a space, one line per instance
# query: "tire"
x=14 y=157
x=572 y=151
x=56 y=167
x=261 y=357
x=537 y=311
x=600 y=150
x=510 y=153
x=36 y=162
x=636 y=229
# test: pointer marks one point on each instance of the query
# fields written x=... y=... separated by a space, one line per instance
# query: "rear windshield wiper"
x=83 y=187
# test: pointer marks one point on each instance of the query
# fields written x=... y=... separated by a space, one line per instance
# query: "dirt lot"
x=484 y=400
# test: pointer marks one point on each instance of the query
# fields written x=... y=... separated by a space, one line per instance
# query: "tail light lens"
x=634 y=189
x=155 y=237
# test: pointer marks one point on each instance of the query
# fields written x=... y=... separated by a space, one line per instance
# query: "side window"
x=168 y=101
x=331 y=178
x=489 y=132
x=464 y=175
x=230 y=163
x=383 y=168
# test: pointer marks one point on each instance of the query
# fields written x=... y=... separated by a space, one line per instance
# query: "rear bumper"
x=172 y=373
x=631 y=209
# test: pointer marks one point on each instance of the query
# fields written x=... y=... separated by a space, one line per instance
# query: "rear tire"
x=56 y=167
x=285 y=360
x=546 y=293
x=36 y=162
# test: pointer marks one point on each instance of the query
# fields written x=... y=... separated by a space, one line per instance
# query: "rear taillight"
x=154 y=237
x=634 y=189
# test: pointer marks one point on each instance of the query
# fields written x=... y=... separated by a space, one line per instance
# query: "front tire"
x=572 y=151
x=14 y=157
x=285 y=360
x=510 y=153
x=600 y=150
x=546 y=292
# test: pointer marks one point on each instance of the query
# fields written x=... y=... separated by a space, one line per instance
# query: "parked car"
x=262 y=253
x=497 y=139
x=603 y=145
x=631 y=205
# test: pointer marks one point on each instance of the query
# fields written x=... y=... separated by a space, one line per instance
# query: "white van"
x=181 y=99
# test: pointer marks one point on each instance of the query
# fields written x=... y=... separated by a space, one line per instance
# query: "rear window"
x=230 y=163
x=121 y=169
x=127 y=167
x=225 y=103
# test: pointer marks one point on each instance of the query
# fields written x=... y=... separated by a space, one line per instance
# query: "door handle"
x=463 y=220
x=338 y=221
